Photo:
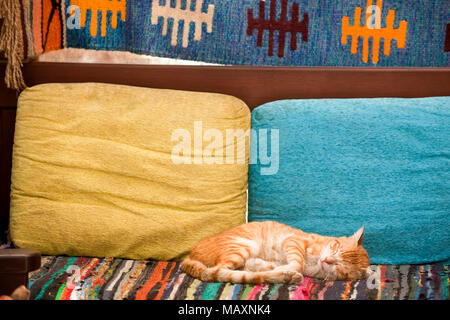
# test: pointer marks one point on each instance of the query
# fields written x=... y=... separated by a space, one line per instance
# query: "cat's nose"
x=329 y=260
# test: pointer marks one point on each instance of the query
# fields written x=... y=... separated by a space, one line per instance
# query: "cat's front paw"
x=297 y=278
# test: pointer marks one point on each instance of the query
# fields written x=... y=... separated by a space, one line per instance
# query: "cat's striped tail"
x=235 y=276
x=200 y=271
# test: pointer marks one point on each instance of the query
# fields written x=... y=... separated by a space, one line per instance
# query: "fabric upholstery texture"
x=345 y=163
x=92 y=171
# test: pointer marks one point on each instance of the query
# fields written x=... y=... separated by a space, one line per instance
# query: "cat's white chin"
x=327 y=272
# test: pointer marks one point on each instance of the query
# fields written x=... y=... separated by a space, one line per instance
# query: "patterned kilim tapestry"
x=79 y=278
x=365 y=33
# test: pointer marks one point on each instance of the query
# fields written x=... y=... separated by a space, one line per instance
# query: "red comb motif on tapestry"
x=283 y=25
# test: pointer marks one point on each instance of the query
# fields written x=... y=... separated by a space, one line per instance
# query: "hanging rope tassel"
x=11 y=43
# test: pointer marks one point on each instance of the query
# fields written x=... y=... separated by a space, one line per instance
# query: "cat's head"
x=345 y=258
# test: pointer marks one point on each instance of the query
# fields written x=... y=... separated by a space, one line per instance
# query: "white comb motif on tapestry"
x=187 y=15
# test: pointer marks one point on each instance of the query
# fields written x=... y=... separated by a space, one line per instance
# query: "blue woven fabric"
x=228 y=41
x=345 y=163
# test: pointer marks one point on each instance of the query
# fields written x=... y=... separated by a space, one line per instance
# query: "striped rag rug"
x=81 y=278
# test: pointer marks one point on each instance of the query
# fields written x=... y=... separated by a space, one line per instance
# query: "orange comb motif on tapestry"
x=115 y=6
x=373 y=29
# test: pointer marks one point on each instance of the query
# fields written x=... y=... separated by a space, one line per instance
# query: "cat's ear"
x=358 y=236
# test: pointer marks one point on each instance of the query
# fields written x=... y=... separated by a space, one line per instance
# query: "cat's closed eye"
x=335 y=246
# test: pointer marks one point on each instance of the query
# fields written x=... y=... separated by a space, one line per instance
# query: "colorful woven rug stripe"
x=81 y=278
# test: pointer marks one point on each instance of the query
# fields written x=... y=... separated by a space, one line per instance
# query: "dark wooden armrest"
x=15 y=264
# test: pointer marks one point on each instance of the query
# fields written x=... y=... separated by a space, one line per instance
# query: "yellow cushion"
x=93 y=172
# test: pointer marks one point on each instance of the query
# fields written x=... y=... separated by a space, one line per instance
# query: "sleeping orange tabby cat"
x=272 y=252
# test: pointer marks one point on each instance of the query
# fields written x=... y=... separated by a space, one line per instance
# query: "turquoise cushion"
x=344 y=163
